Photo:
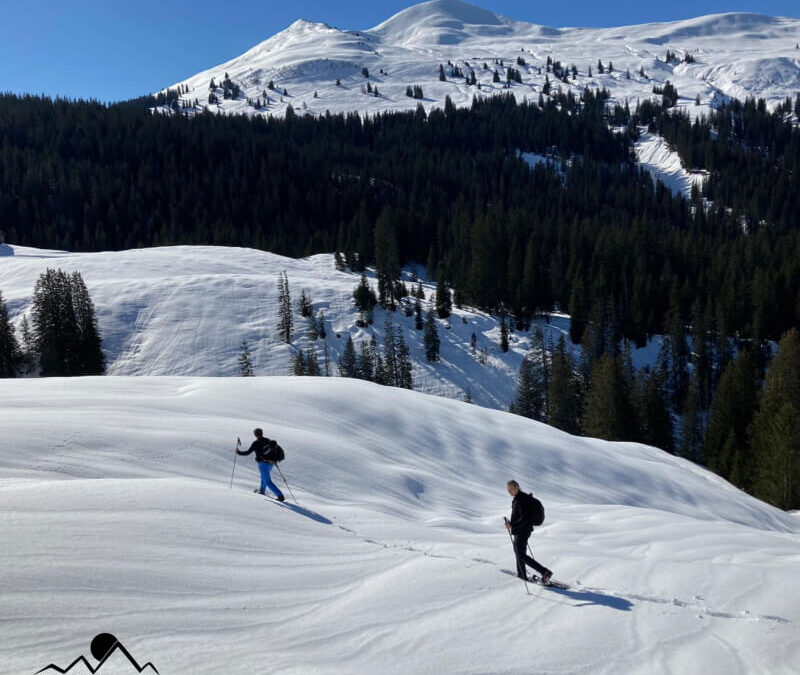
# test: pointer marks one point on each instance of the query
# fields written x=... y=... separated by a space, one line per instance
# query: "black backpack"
x=275 y=453
x=536 y=511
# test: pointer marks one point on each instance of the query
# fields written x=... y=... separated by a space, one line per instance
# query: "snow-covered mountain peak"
x=450 y=13
x=315 y=67
x=443 y=22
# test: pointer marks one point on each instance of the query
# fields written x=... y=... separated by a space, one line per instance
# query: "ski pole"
x=525 y=578
x=284 y=480
x=235 y=455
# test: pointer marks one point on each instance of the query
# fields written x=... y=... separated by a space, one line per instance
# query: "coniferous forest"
x=589 y=234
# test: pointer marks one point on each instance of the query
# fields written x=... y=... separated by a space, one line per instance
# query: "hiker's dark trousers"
x=521 y=551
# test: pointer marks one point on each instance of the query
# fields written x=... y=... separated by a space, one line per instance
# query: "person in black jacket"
x=520 y=526
x=265 y=449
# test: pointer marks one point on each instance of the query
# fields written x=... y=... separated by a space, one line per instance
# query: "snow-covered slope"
x=117 y=517
x=664 y=164
x=736 y=54
x=185 y=310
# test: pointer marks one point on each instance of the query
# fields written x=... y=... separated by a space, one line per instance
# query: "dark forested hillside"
x=448 y=189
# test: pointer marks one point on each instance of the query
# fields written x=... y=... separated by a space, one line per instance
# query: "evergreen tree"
x=405 y=380
x=673 y=361
x=387 y=260
x=652 y=411
x=564 y=391
x=9 y=348
x=347 y=363
x=444 y=300
x=390 y=356
x=542 y=359
x=299 y=363
x=89 y=348
x=431 y=338
x=503 y=333
x=691 y=427
x=67 y=340
x=245 y=361
x=28 y=351
x=286 y=321
x=304 y=304
x=367 y=360
x=529 y=400
x=320 y=326
x=727 y=449
x=609 y=410
x=311 y=364
x=365 y=300
x=418 y=321
x=776 y=428
x=396 y=365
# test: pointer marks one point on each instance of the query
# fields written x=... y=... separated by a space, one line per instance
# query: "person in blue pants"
x=265 y=449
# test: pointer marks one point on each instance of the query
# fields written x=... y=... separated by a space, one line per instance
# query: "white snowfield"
x=116 y=516
x=735 y=55
x=185 y=310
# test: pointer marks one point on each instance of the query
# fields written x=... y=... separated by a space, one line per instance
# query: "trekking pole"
x=235 y=455
x=284 y=480
x=525 y=578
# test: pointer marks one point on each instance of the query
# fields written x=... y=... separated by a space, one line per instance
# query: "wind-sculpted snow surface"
x=117 y=517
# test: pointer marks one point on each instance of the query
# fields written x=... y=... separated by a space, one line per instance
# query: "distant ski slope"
x=117 y=517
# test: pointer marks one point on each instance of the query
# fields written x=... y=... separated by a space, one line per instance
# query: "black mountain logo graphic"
x=104 y=648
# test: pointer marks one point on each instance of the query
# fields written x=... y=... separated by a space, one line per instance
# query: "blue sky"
x=115 y=49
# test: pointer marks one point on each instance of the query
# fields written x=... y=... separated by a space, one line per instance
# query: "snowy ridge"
x=735 y=54
x=393 y=558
